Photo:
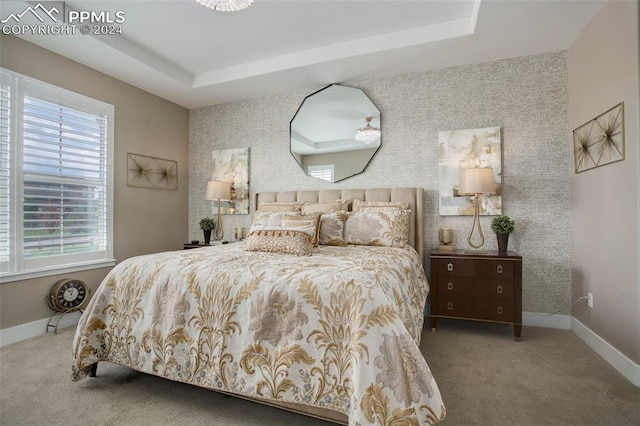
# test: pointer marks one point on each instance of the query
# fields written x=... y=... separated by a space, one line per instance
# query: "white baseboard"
x=614 y=357
x=535 y=319
x=35 y=329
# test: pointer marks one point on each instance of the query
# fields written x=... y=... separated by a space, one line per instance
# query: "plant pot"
x=503 y=242
x=207 y=236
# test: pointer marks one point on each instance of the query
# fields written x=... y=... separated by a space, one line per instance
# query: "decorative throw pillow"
x=291 y=220
x=332 y=229
x=325 y=207
x=377 y=228
x=275 y=206
x=381 y=206
x=268 y=219
x=298 y=241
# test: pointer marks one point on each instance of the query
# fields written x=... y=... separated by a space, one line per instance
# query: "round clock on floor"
x=68 y=295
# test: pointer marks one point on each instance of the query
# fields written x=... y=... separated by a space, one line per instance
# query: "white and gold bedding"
x=338 y=329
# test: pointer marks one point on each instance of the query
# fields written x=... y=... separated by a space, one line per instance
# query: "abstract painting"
x=232 y=166
x=462 y=149
x=600 y=141
x=151 y=172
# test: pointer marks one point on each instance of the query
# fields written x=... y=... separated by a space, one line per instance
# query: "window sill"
x=56 y=270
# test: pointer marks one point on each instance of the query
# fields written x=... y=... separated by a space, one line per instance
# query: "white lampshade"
x=217 y=190
x=477 y=180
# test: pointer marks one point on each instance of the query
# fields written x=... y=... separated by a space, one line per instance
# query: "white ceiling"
x=196 y=57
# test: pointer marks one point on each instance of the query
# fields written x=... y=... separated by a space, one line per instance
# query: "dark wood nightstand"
x=477 y=286
x=188 y=246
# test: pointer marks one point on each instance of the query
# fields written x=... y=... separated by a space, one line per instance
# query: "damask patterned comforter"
x=339 y=329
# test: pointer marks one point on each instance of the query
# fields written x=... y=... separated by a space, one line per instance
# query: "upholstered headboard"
x=413 y=196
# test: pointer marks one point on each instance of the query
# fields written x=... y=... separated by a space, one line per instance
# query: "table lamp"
x=218 y=191
x=475 y=182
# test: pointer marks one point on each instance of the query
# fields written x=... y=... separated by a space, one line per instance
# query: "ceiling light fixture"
x=226 y=5
x=368 y=133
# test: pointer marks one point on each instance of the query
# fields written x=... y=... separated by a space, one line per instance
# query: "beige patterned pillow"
x=265 y=220
x=292 y=218
x=275 y=206
x=298 y=241
x=381 y=206
x=377 y=228
x=332 y=229
x=326 y=207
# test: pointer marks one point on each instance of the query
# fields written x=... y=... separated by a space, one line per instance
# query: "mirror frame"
x=364 y=168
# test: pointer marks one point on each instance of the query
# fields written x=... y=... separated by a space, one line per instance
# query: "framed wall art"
x=600 y=141
x=151 y=172
x=232 y=166
x=462 y=149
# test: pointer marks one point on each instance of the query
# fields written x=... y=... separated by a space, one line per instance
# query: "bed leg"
x=94 y=369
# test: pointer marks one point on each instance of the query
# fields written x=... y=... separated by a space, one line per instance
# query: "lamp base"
x=446 y=248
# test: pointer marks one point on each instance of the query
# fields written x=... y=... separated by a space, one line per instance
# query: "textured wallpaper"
x=527 y=97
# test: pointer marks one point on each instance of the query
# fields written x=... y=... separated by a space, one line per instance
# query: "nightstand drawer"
x=455 y=307
x=454 y=286
x=492 y=289
x=493 y=310
x=497 y=269
x=476 y=288
x=475 y=268
x=459 y=267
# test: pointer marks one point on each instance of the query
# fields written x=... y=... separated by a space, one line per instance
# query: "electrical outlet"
x=590 y=300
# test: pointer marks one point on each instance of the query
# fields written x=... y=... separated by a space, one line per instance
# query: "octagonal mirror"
x=323 y=133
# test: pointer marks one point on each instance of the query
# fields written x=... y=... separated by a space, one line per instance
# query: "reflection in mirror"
x=323 y=133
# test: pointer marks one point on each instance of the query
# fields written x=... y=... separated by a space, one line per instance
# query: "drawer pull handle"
x=450 y=306
x=499 y=269
x=450 y=286
x=449 y=266
x=499 y=289
x=499 y=310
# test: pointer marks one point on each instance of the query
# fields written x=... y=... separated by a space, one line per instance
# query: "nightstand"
x=485 y=286
x=188 y=246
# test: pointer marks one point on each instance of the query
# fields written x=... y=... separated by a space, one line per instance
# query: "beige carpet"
x=486 y=378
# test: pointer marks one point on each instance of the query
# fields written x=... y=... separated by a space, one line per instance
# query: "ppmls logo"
x=53 y=18
x=45 y=15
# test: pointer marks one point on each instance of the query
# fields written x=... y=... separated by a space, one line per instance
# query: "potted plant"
x=502 y=225
x=207 y=225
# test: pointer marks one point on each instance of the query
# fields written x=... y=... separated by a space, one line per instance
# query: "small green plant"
x=502 y=225
x=207 y=224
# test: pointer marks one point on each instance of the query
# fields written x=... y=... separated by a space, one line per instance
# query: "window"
x=324 y=172
x=56 y=179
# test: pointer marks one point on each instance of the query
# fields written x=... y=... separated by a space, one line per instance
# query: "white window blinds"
x=5 y=122
x=65 y=180
x=56 y=182
x=324 y=172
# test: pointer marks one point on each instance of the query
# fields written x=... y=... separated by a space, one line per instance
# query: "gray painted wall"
x=603 y=71
x=526 y=97
x=145 y=220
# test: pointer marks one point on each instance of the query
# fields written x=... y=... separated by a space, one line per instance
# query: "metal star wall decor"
x=600 y=141
x=151 y=172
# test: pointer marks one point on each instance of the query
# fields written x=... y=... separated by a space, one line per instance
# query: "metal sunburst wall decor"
x=600 y=141
x=151 y=172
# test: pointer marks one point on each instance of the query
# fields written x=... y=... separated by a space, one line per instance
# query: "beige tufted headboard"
x=413 y=196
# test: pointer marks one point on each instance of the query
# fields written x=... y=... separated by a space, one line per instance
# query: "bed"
x=332 y=335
